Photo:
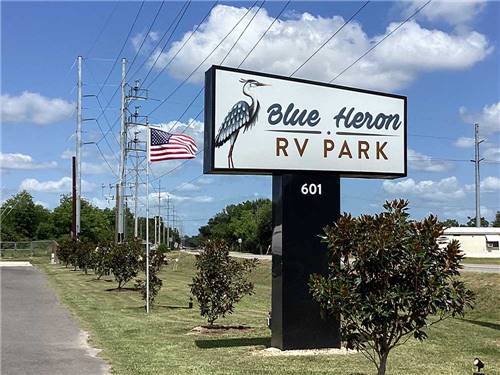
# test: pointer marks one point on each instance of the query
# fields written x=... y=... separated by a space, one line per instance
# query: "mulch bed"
x=218 y=330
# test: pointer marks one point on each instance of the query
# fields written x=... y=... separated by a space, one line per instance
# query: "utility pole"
x=78 y=147
x=173 y=223
x=136 y=149
x=118 y=199
x=159 y=210
x=155 y=230
x=476 y=161
x=168 y=221
x=123 y=158
x=73 y=180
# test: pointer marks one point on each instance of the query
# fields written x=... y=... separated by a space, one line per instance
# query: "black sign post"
x=303 y=204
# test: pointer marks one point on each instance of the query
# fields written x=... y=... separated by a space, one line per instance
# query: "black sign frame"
x=210 y=130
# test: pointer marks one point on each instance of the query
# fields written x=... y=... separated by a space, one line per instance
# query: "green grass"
x=134 y=343
x=481 y=261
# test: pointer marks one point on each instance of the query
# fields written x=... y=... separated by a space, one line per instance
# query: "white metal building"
x=474 y=242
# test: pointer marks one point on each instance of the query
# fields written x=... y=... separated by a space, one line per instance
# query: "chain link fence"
x=10 y=249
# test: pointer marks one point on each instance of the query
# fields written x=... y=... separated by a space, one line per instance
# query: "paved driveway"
x=38 y=335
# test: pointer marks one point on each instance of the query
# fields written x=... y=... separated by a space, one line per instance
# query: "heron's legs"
x=230 y=156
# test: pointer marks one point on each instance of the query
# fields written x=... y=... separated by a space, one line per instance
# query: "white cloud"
x=188 y=187
x=421 y=162
x=490 y=184
x=488 y=119
x=34 y=108
x=492 y=153
x=94 y=168
x=153 y=197
x=205 y=180
x=59 y=186
x=194 y=199
x=43 y=204
x=393 y=64
x=446 y=189
x=453 y=12
x=464 y=142
x=147 y=44
x=67 y=154
x=101 y=203
x=464 y=213
x=22 y=161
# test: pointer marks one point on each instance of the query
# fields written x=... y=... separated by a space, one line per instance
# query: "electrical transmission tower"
x=136 y=148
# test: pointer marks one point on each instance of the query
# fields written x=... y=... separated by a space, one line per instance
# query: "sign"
x=257 y=123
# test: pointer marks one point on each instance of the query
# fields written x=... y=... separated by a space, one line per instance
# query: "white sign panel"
x=258 y=123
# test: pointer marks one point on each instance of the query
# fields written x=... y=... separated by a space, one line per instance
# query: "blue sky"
x=446 y=60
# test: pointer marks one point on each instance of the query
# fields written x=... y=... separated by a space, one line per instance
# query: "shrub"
x=65 y=251
x=220 y=281
x=389 y=280
x=163 y=248
x=156 y=261
x=125 y=262
x=83 y=255
x=101 y=260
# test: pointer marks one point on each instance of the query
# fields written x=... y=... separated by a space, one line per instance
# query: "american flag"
x=168 y=146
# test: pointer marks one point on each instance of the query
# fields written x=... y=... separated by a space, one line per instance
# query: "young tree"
x=101 y=260
x=389 y=280
x=496 y=223
x=157 y=259
x=221 y=281
x=472 y=222
x=125 y=261
x=448 y=223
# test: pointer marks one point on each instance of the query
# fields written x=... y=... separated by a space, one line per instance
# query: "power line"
x=222 y=62
x=381 y=40
x=102 y=113
x=179 y=18
x=329 y=39
x=186 y=41
x=105 y=160
x=105 y=24
x=123 y=47
x=265 y=32
x=199 y=65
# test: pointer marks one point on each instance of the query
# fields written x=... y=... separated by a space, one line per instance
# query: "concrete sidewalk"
x=38 y=335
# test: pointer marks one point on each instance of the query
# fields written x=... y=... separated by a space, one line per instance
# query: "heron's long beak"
x=263 y=84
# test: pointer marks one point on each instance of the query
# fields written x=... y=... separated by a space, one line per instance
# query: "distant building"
x=474 y=242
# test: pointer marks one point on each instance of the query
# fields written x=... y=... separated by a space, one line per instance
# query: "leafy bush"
x=125 y=261
x=389 y=280
x=101 y=260
x=156 y=261
x=65 y=251
x=163 y=248
x=83 y=255
x=220 y=281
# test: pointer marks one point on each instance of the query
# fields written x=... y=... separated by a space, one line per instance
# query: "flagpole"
x=148 y=135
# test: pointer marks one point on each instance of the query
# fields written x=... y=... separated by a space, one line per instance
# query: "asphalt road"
x=38 y=335
x=488 y=268
x=467 y=267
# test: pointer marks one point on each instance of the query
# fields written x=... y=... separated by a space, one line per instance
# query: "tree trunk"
x=383 y=363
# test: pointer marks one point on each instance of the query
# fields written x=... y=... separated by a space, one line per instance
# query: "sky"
x=445 y=59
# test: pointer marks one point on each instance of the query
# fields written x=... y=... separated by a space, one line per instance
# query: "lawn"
x=134 y=343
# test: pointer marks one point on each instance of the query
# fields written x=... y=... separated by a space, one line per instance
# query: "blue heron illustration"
x=241 y=116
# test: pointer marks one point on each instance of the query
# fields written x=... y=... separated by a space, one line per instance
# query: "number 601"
x=311 y=189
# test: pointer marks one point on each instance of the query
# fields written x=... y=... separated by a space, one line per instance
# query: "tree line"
x=24 y=220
